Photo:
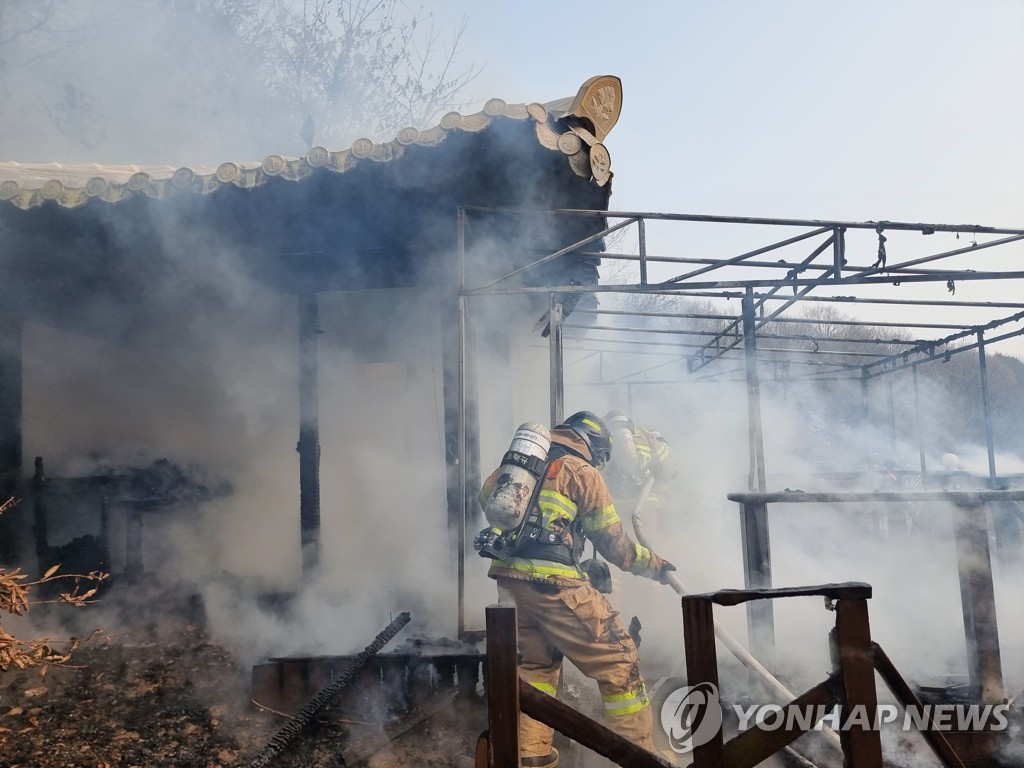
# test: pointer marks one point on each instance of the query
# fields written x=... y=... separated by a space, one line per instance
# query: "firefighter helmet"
x=618 y=418
x=594 y=433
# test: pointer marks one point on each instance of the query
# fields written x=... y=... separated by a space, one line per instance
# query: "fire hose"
x=723 y=635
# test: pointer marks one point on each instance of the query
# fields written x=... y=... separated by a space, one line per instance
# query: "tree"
x=199 y=81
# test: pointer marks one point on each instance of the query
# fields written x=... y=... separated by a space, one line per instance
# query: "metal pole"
x=838 y=251
x=642 y=232
x=756 y=479
x=461 y=424
x=555 y=352
x=865 y=413
x=917 y=423
x=892 y=420
x=461 y=448
x=309 y=433
x=986 y=404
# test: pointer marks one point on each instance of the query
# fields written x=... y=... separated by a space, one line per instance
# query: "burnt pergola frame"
x=764 y=298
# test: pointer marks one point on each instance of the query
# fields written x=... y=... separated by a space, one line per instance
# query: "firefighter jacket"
x=652 y=458
x=574 y=505
x=654 y=454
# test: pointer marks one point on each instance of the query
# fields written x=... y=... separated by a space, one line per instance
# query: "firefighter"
x=560 y=613
x=644 y=454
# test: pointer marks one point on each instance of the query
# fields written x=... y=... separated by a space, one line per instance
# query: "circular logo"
x=691 y=716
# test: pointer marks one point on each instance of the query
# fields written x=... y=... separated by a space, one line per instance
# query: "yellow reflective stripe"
x=662 y=451
x=547 y=688
x=593 y=425
x=643 y=559
x=601 y=519
x=620 y=704
x=534 y=568
x=552 y=499
x=644 y=449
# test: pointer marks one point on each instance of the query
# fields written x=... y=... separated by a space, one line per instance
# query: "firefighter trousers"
x=578 y=623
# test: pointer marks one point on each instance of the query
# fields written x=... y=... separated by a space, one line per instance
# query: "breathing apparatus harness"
x=530 y=538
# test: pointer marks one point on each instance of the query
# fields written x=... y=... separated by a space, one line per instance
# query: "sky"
x=909 y=110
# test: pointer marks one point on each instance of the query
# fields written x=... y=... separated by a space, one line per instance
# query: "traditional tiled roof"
x=573 y=127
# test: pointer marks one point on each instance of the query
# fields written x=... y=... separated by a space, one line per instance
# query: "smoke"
x=815 y=439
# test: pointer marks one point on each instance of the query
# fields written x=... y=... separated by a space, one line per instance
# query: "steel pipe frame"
x=832 y=276
x=804 y=320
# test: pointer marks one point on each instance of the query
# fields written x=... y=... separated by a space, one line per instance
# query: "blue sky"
x=907 y=109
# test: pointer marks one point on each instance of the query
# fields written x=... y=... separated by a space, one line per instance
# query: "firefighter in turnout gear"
x=644 y=454
x=560 y=613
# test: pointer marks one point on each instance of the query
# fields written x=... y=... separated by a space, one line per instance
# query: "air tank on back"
x=520 y=471
x=624 y=469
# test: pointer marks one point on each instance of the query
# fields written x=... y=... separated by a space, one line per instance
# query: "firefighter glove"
x=663 y=574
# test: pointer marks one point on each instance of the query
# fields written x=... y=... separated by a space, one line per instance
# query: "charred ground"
x=166 y=693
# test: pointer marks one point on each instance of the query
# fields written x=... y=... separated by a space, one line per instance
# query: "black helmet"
x=594 y=433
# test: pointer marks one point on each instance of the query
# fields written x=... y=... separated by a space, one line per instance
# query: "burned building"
x=126 y=288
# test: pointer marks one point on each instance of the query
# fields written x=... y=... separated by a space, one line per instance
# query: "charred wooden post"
x=309 y=432
x=862 y=744
x=10 y=429
x=40 y=527
x=757 y=574
x=502 y=687
x=702 y=668
x=977 y=597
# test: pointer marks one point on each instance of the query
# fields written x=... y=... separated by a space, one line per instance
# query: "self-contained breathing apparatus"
x=526 y=463
x=530 y=538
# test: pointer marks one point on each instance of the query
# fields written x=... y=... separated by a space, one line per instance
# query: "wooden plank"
x=502 y=686
x=905 y=695
x=590 y=733
x=483 y=750
x=702 y=667
x=862 y=743
x=753 y=746
x=850 y=590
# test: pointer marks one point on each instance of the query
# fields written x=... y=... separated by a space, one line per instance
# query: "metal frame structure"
x=821 y=272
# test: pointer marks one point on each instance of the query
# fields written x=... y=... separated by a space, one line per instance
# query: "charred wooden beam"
x=591 y=734
x=754 y=746
x=305 y=716
x=905 y=695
